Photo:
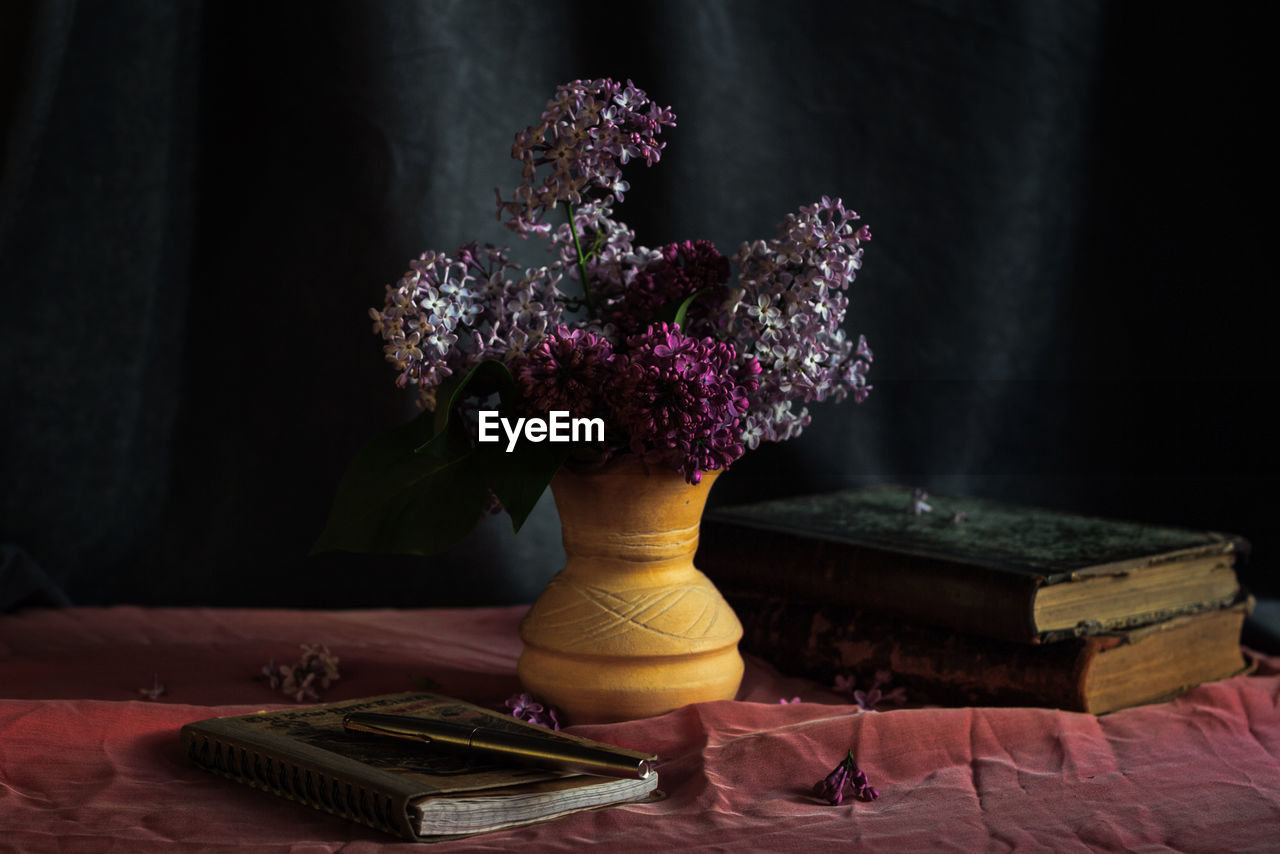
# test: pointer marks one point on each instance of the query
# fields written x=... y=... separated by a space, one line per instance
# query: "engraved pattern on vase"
x=629 y=628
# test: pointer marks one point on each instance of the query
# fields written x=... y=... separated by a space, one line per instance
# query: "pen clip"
x=386 y=725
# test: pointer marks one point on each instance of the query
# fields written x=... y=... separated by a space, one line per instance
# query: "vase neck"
x=625 y=517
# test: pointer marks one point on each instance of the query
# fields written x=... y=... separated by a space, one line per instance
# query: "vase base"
x=606 y=689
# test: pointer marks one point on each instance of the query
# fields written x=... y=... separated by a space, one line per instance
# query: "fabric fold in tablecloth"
x=101 y=771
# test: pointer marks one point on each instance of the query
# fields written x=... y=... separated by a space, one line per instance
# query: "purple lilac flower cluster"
x=590 y=129
x=677 y=400
x=846 y=775
x=524 y=708
x=680 y=400
x=739 y=369
x=680 y=271
x=567 y=371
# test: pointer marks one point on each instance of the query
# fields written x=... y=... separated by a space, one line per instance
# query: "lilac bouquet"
x=661 y=353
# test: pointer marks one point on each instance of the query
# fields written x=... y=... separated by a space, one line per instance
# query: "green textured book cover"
x=972 y=564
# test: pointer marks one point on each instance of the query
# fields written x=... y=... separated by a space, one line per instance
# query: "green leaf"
x=484 y=379
x=519 y=478
x=420 y=488
x=435 y=515
x=674 y=312
x=417 y=489
x=392 y=499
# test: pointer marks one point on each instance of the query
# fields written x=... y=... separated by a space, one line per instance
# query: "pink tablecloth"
x=87 y=765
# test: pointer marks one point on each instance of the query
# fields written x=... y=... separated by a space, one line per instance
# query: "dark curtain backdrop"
x=1067 y=291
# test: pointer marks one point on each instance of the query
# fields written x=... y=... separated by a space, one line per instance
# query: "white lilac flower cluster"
x=589 y=131
x=450 y=312
x=611 y=259
x=789 y=309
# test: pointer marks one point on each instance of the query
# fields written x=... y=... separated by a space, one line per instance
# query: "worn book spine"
x=236 y=755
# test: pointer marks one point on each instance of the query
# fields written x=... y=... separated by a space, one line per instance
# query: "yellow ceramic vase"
x=629 y=628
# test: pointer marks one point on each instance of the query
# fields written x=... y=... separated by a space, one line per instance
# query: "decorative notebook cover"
x=412 y=791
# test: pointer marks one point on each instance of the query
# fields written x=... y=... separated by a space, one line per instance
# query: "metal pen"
x=525 y=748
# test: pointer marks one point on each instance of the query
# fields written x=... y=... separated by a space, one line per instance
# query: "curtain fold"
x=202 y=200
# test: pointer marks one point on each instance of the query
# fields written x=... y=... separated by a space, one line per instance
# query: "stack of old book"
x=972 y=601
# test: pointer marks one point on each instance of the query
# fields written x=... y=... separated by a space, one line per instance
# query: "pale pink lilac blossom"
x=874 y=698
x=315 y=670
x=918 y=504
x=156 y=691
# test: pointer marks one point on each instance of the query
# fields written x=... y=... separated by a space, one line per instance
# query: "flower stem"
x=582 y=260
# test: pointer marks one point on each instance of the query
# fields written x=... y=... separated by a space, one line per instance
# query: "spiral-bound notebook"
x=416 y=793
